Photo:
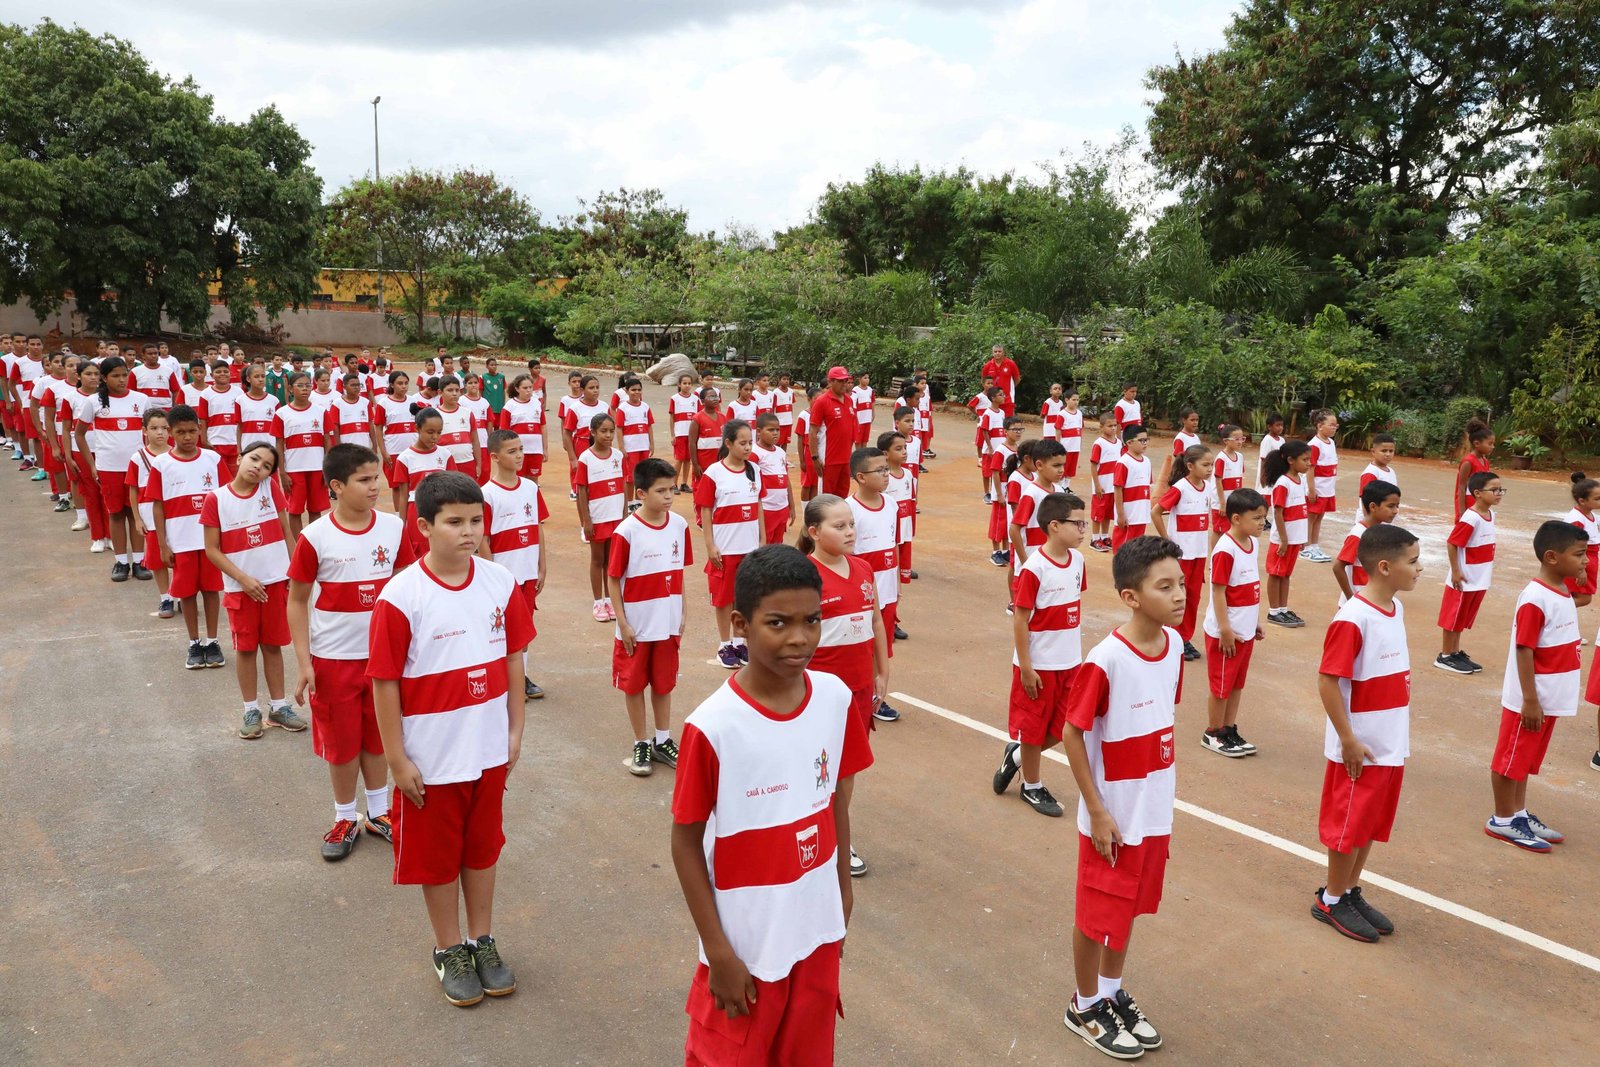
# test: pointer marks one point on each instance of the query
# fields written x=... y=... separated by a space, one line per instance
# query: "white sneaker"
x=79 y=524
x=102 y=545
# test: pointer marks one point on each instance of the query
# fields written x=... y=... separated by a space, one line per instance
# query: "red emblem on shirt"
x=497 y=621
x=380 y=556
x=256 y=537
x=367 y=595
x=868 y=591
x=527 y=511
x=478 y=683
x=1166 y=749
x=806 y=841
x=205 y=480
x=821 y=766
x=122 y=424
x=264 y=502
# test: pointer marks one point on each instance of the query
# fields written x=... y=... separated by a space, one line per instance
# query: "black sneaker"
x=1221 y=742
x=197 y=658
x=1280 y=618
x=1345 y=918
x=1041 y=801
x=1472 y=666
x=1239 y=742
x=1451 y=663
x=639 y=762
x=141 y=572
x=120 y=572
x=665 y=753
x=1294 y=619
x=1594 y=760
x=743 y=652
x=858 y=866
x=1101 y=1029
x=166 y=608
x=63 y=504
x=1008 y=768
x=1133 y=1020
x=998 y=558
x=381 y=826
x=458 y=975
x=1380 y=922
x=914 y=576
x=530 y=691
x=493 y=974
x=214 y=657
x=899 y=634
x=1190 y=653
x=338 y=842
x=885 y=713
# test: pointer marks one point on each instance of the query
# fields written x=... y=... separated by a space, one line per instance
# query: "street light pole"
x=377 y=176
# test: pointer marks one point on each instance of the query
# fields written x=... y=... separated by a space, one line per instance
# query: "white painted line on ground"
x=1420 y=896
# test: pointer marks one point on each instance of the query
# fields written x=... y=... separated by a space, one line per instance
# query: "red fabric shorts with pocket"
x=653 y=664
x=1039 y=721
x=791 y=1022
x=1111 y=895
x=1358 y=811
x=343 y=722
x=252 y=623
x=193 y=572
x=1519 y=752
x=458 y=827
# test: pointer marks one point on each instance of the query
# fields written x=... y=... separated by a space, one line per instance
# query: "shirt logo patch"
x=820 y=764
x=205 y=480
x=806 y=841
x=264 y=502
x=367 y=595
x=867 y=591
x=527 y=511
x=478 y=683
x=1166 y=749
x=675 y=550
x=256 y=537
x=380 y=556
x=497 y=621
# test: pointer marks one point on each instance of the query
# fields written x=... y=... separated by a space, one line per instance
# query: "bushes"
x=960 y=347
x=1559 y=398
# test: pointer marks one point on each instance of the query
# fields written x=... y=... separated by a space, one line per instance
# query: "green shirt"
x=494 y=390
x=276 y=384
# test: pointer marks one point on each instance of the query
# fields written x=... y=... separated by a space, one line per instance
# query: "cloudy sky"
x=739 y=110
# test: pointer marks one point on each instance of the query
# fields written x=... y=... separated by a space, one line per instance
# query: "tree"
x=122 y=187
x=1178 y=268
x=626 y=224
x=446 y=237
x=1342 y=128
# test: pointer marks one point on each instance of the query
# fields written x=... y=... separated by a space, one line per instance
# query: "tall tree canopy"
x=122 y=186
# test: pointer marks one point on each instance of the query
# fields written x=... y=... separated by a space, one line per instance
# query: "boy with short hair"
x=772 y=465
x=644 y=576
x=513 y=511
x=1128 y=411
x=1130 y=486
x=278 y=378
x=1543 y=674
x=1119 y=740
x=774 y=750
x=1365 y=685
x=897 y=446
x=180 y=480
x=1103 y=456
x=494 y=385
x=446 y=651
x=783 y=407
x=878 y=545
x=862 y=396
x=1470 y=549
x=346 y=557
x=1379 y=502
x=1233 y=620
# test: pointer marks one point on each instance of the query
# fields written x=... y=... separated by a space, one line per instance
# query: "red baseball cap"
x=838 y=374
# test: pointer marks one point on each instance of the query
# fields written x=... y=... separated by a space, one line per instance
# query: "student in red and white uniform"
x=1103 y=456
x=1585 y=515
x=9 y=414
x=576 y=421
x=862 y=398
x=1227 y=471
x=322 y=393
x=768 y=763
x=1543 y=675
x=1026 y=534
x=397 y=431
x=524 y=416
x=727 y=499
x=907 y=424
x=181 y=479
x=1470 y=548
x=459 y=436
x=853 y=647
x=783 y=407
x=513 y=511
x=1130 y=486
x=85 y=489
x=1128 y=411
x=302 y=432
x=1233 y=620
x=1002 y=461
x=247 y=539
x=340 y=565
x=109 y=427
x=47 y=391
x=1365 y=685
x=636 y=424
x=877 y=542
x=649 y=552
x=1324 y=482
x=924 y=411
x=352 y=416
x=446 y=662
x=158 y=383
x=423 y=458
x=1119 y=739
x=1070 y=421
x=1190 y=501
x=482 y=417
x=763 y=397
x=1380 y=503
x=1050 y=412
x=574 y=393
x=1271 y=441
x=743 y=405
x=26 y=370
x=1046 y=638
x=377 y=383
x=802 y=430
x=1287 y=467
x=1187 y=437
x=777 y=495
x=1381 y=467
x=991 y=432
x=1480 y=446
x=199 y=377
x=896 y=446
x=157 y=440
x=705 y=435
x=218 y=409
x=602 y=503
x=682 y=407
x=256 y=408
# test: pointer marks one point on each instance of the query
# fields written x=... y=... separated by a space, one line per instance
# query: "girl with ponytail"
x=1285 y=472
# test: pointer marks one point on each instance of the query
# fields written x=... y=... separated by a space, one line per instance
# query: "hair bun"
x=1578 y=476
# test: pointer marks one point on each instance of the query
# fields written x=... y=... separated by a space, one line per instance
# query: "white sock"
x=278 y=702
x=724 y=644
x=663 y=736
x=252 y=705
x=1498 y=821
x=737 y=642
x=472 y=942
x=83 y=516
x=126 y=557
x=1521 y=814
x=344 y=812
x=1084 y=1004
x=1033 y=785
x=211 y=639
x=1329 y=899
x=377 y=802
x=608 y=603
x=1110 y=987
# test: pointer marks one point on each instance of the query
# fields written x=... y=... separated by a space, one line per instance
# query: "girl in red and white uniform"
x=802 y=429
x=743 y=406
x=637 y=425
x=777 y=496
x=458 y=437
x=109 y=430
x=255 y=409
x=1190 y=500
x=1287 y=467
x=141 y=501
x=322 y=393
x=853 y=647
x=705 y=434
x=482 y=415
x=523 y=415
x=1071 y=420
x=1227 y=472
x=247 y=539
x=576 y=421
x=1324 y=481
x=1103 y=456
x=783 y=407
x=683 y=406
x=397 y=431
x=1480 y=446
x=1470 y=548
x=420 y=459
x=1187 y=437
x=302 y=432
x=1585 y=515
x=727 y=499
x=218 y=408
x=352 y=416
x=602 y=503
x=85 y=489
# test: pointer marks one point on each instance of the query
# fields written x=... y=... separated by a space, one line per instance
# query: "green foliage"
x=524 y=312
x=1342 y=362
x=1177 y=267
x=1559 y=399
x=1361 y=420
x=961 y=345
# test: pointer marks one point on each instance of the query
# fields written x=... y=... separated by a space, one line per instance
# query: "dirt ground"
x=164 y=899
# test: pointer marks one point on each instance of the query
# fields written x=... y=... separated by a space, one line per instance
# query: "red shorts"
x=808 y=473
x=791 y=1021
x=530 y=593
x=1356 y=812
x=680 y=449
x=1102 y=508
x=1322 y=505
x=1072 y=463
x=863 y=702
x=653 y=664
x=152 y=553
x=396 y=477
x=193 y=572
x=1459 y=609
x=343 y=723
x=777 y=525
x=785 y=433
x=1109 y=897
x=1227 y=673
x=229 y=454
x=720 y=580
x=1281 y=566
x=1121 y=535
x=1519 y=752
x=1039 y=721
x=602 y=532
x=891 y=619
x=532 y=465
x=1219 y=523
x=457 y=827
x=707 y=458
x=252 y=623
x=836 y=479
x=997 y=523
x=307 y=493
x=630 y=460
x=113 y=491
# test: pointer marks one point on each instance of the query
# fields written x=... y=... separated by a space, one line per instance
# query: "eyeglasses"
x=877 y=470
x=1494 y=489
x=1081 y=524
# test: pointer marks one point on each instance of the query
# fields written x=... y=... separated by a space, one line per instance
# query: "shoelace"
x=457 y=962
x=669 y=747
x=486 y=953
x=340 y=831
x=641 y=752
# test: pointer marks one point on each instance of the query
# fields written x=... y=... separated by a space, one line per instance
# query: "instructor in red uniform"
x=833 y=426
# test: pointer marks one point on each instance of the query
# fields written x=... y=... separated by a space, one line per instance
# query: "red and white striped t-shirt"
x=1071 y=425
x=743 y=409
x=395 y=420
x=1289 y=493
x=24 y=372
x=1051 y=591
x=250 y=534
x=306 y=432
x=849 y=602
x=352 y=422
x=67 y=414
x=1182 y=441
x=861 y=398
x=414 y=465
x=650 y=561
x=137 y=478
x=902 y=489
x=1189 y=511
x=191 y=394
x=1234 y=567
x=763 y=784
x=802 y=429
x=1132 y=476
x=764 y=401
x=482 y=414
x=1050 y=411
x=577 y=420
x=773 y=466
x=349 y=569
x=511 y=518
x=456 y=435
x=1589 y=524
x=219 y=410
x=321 y=400
x=526 y=420
x=1374 y=473
x=157 y=383
x=601 y=477
x=182 y=486
x=1103 y=456
x=447 y=647
x=878 y=545
x=993 y=424
x=116 y=427
x=377 y=385
x=1270 y=443
x=1365 y=648
x=783 y=406
x=1128 y=412
x=735 y=502
x=634 y=422
x=1350 y=552
x=1473 y=536
x=1546 y=620
x=683 y=410
x=255 y=420
x=1228 y=474
x=1324 y=466
x=1125 y=702
x=1030 y=494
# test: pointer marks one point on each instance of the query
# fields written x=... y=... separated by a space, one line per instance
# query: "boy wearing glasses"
x=1471 y=550
x=878 y=543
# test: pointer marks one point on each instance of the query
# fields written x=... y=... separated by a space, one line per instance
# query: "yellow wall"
x=361 y=286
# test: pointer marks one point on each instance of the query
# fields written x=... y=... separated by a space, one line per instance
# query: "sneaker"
x=1380 y=922
x=1042 y=802
x=728 y=657
x=1472 y=666
x=743 y=652
x=1344 y=918
x=38 y=476
x=913 y=575
x=988 y=498
x=1190 y=653
x=599 y=611
x=1451 y=662
x=493 y=974
x=572 y=494
x=858 y=866
x=1543 y=832
x=1280 y=618
x=885 y=713
x=287 y=718
x=458 y=975
x=1518 y=833
x=251 y=729
x=997 y=558
x=102 y=545
x=141 y=572
x=1102 y=1029
x=1594 y=760
x=899 y=634
x=639 y=762
x=120 y=571
x=665 y=753
x=196 y=660
x=214 y=657
x=381 y=826
x=64 y=504
x=29 y=465
x=931 y=454
x=1011 y=611
x=1294 y=619
x=80 y=524
x=531 y=691
x=166 y=609
x=1133 y=1020
x=1100 y=544
x=338 y=842
x=1238 y=741
x=1221 y=742
x=1008 y=768
x=1309 y=554
x=611 y=612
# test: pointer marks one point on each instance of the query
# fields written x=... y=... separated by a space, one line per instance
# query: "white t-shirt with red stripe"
x=1289 y=493
x=1103 y=456
x=1132 y=475
x=415 y=465
x=1350 y=552
x=447 y=647
x=683 y=410
x=511 y=518
x=398 y=425
x=1050 y=411
x=1324 y=466
x=1365 y=648
x=861 y=397
x=482 y=412
x=849 y=602
x=306 y=432
x=763 y=785
x=347 y=569
x=456 y=435
x=1070 y=424
x=743 y=409
x=902 y=489
x=1128 y=412
x=650 y=561
x=1234 y=567
x=1270 y=443
x=1183 y=440
x=321 y=400
x=577 y=419
x=219 y=410
x=67 y=414
x=877 y=544
x=255 y=420
x=1545 y=620
x=353 y=421
x=158 y=384
x=1228 y=474
x=182 y=486
x=250 y=534
x=773 y=466
x=1125 y=703
x=1189 y=509
x=634 y=423
x=601 y=477
x=783 y=406
x=734 y=498
x=1030 y=494
x=117 y=428
x=1051 y=592
x=1473 y=536
x=1374 y=473
x=191 y=394
x=526 y=420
